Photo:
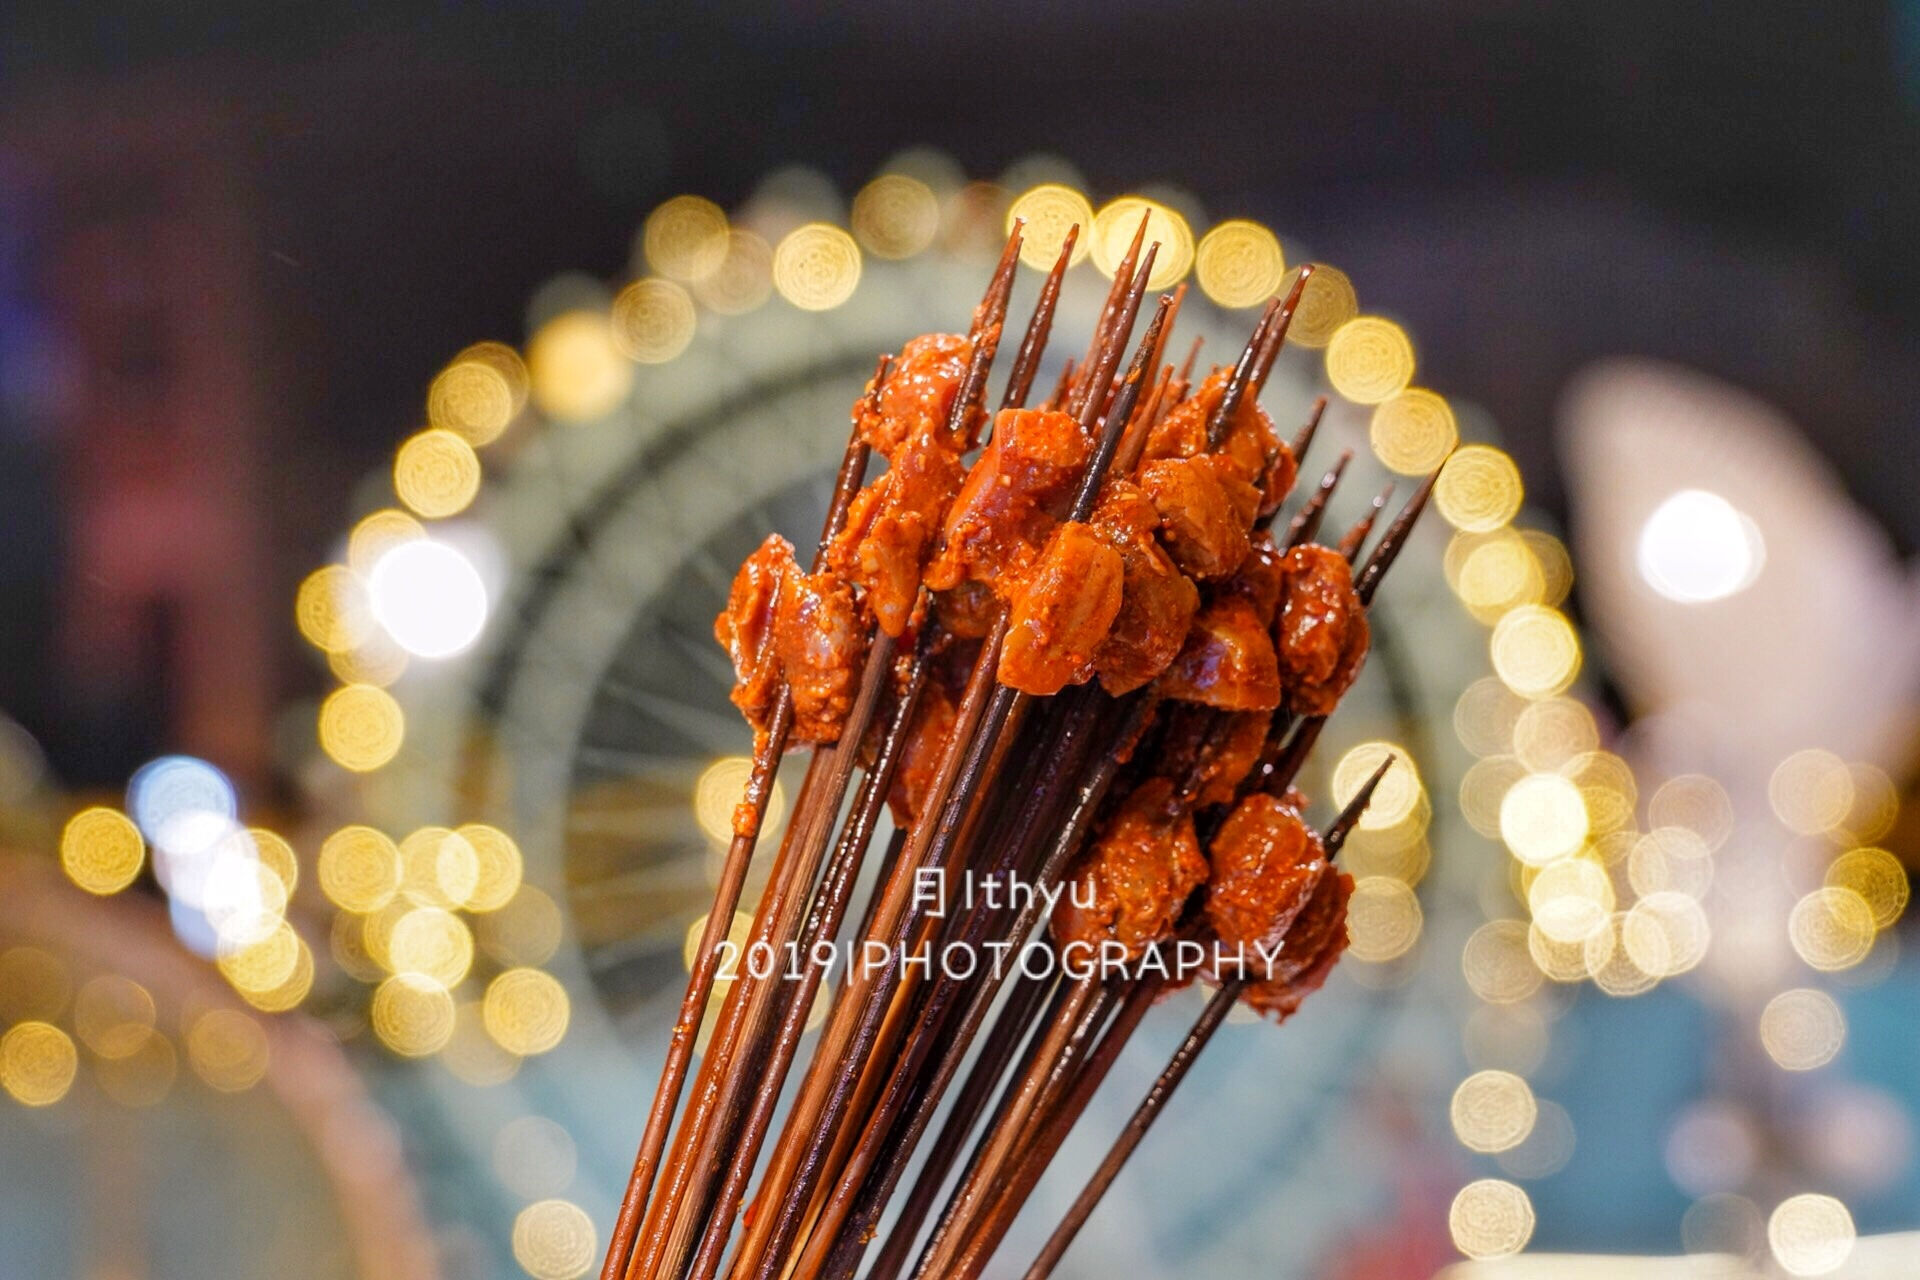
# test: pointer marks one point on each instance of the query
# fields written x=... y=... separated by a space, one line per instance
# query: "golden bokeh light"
x=1326 y=304
x=291 y=990
x=436 y=473
x=359 y=869
x=1607 y=788
x=1876 y=803
x=524 y=932
x=1670 y=859
x=378 y=662
x=1878 y=877
x=1050 y=211
x=1485 y=716
x=1369 y=360
x=377 y=533
x=432 y=942
x=264 y=963
x=101 y=850
x=896 y=216
x=1561 y=961
x=1696 y=802
x=1802 y=1029
x=438 y=868
x=1399 y=790
x=1543 y=817
x=472 y=1055
x=739 y=932
x=473 y=399
x=526 y=1011
x=503 y=360
x=1239 y=264
x=1811 y=791
x=1811 y=1235
x=34 y=985
x=1553 y=732
x=1492 y=1111
x=685 y=238
x=1400 y=852
x=498 y=866
x=554 y=1240
x=1570 y=898
x=1497 y=964
x=1535 y=651
x=720 y=787
x=1490 y=1218
x=1493 y=573
x=276 y=855
x=816 y=267
x=653 y=320
x=37 y=1063
x=1412 y=433
x=142 y=1078
x=228 y=1049
x=347 y=943
x=1383 y=920
x=1114 y=227
x=1479 y=489
x=744 y=281
x=413 y=1015
x=1831 y=928
x=1556 y=564
x=361 y=727
x=1666 y=933
x=1613 y=965
x=1483 y=790
x=332 y=609
x=577 y=372
x=113 y=1015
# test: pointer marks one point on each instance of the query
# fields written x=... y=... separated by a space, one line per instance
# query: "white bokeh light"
x=1697 y=547
x=429 y=597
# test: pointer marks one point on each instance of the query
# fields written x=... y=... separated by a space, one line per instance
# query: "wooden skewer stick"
x=1156 y=1099
x=1307 y=523
x=1356 y=537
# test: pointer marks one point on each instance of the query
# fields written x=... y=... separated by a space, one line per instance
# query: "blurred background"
x=1658 y=259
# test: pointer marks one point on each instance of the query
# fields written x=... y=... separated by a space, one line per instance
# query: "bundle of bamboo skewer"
x=1029 y=682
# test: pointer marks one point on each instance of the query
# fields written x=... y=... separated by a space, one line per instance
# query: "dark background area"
x=1527 y=187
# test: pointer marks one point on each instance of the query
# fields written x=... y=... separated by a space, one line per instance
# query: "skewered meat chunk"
x=1254 y=447
x=1206 y=509
x=1312 y=947
x=1227 y=661
x=917 y=395
x=1130 y=886
x=1157 y=601
x=1210 y=752
x=1260 y=580
x=1016 y=493
x=821 y=641
x=967 y=610
x=1061 y=612
x=1266 y=862
x=893 y=522
x=745 y=628
x=1321 y=631
x=926 y=741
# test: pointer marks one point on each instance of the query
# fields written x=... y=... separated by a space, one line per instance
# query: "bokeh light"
x=1483 y=791
x=1116 y=223
x=412 y=1014
x=576 y=370
x=1383 y=919
x=1050 y=211
x=436 y=473
x=113 y=1015
x=1697 y=547
x=524 y=932
x=429 y=597
x=1399 y=790
x=227 y=1049
x=816 y=267
x=1878 y=877
x=37 y=1063
x=1413 y=432
x=534 y=1158
x=895 y=216
x=1802 y=1029
x=359 y=869
x=554 y=1240
x=1831 y=928
x=1570 y=898
x=438 y=868
x=1497 y=964
x=1535 y=651
x=431 y=942
x=473 y=398
x=685 y=238
x=1369 y=360
x=719 y=789
x=1554 y=732
x=263 y=963
x=527 y=1011
x=1490 y=1218
x=497 y=863
x=142 y=1078
x=653 y=320
x=1811 y=791
x=373 y=535
x=1492 y=1111
x=1666 y=933
x=744 y=280
x=1239 y=264
x=1810 y=1235
x=1696 y=802
x=1543 y=817
x=1485 y=716
x=471 y=1055
x=332 y=611
x=1613 y=965
x=1479 y=490
x=361 y=727
x=101 y=850
x=1327 y=303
